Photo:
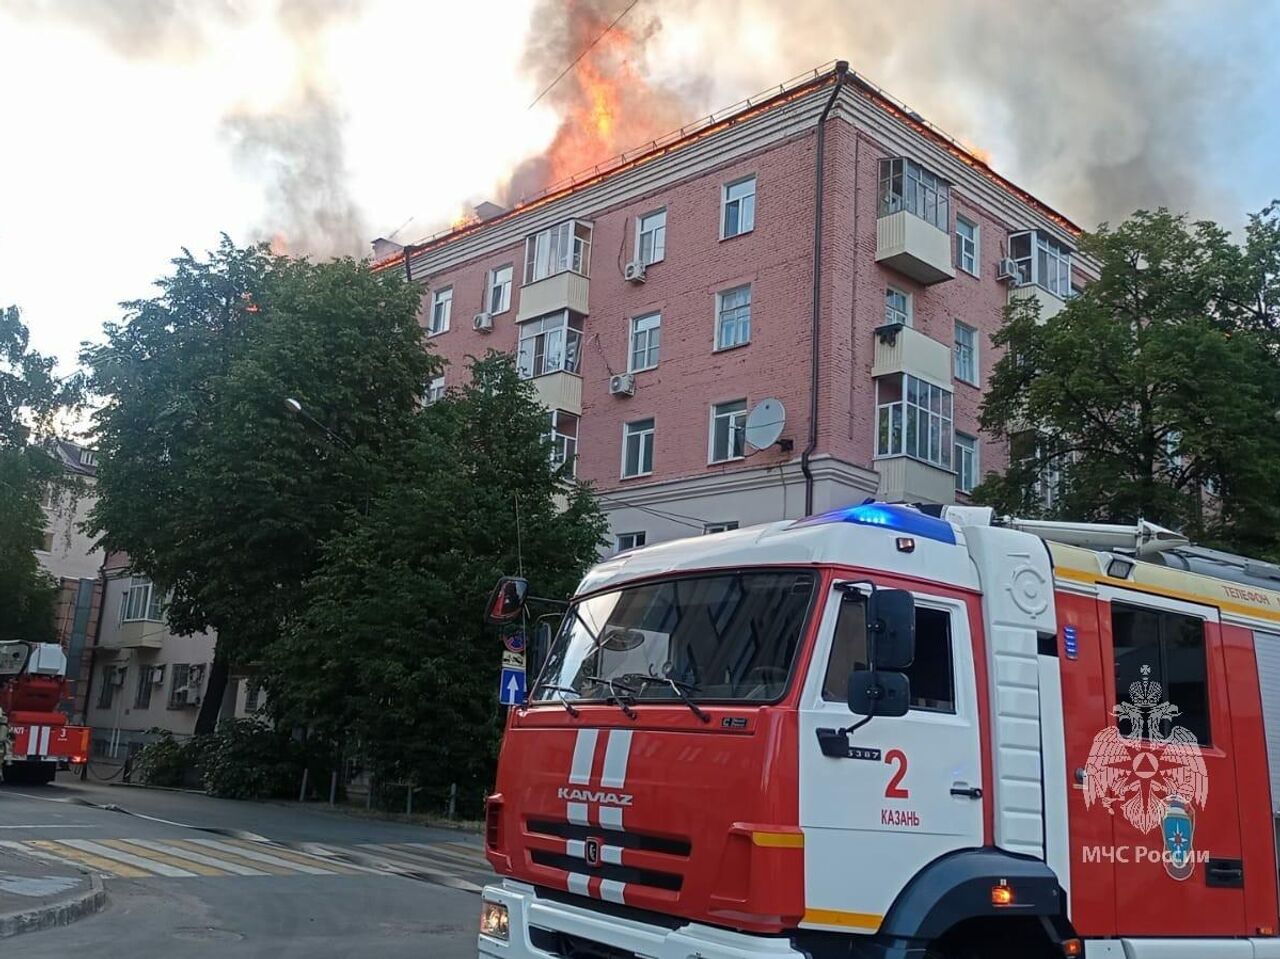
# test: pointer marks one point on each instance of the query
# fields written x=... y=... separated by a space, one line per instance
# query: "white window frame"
x=647 y=434
x=891 y=313
x=907 y=185
x=653 y=225
x=563 y=429
x=968 y=256
x=721 y=527
x=1046 y=262
x=746 y=202
x=967 y=448
x=561 y=349
x=969 y=350
x=88 y=457
x=735 y=424
x=149 y=607
x=435 y=390
x=720 y=297
x=494 y=282
x=563 y=248
x=625 y=541
x=652 y=342
x=441 y=311
x=895 y=419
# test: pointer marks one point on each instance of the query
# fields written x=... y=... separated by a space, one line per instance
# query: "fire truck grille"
x=625 y=840
x=628 y=874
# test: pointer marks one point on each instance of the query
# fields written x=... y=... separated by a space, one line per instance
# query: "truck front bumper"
x=536 y=923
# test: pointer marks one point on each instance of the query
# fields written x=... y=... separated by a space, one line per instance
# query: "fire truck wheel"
x=29 y=774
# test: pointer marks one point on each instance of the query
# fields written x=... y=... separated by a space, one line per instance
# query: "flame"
x=979 y=154
x=279 y=244
x=464 y=219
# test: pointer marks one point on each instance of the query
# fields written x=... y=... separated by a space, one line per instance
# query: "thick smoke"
x=1095 y=106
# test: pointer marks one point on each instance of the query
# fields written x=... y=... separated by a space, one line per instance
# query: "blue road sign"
x=511 y=691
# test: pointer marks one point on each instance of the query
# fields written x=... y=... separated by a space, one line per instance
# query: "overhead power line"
x=585 y=51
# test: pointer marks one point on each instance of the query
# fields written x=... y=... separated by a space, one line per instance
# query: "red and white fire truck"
x=35 y=738
x=884 y=733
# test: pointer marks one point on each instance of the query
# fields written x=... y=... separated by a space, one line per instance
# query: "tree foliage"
x=391 y=652
x=205 y=480
x=1155 y=392
x=30 y=399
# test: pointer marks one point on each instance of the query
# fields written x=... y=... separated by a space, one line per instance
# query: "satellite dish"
x=765 y=423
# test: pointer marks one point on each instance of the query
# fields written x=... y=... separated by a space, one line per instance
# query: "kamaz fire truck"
x=884 y=733
x=35 y=737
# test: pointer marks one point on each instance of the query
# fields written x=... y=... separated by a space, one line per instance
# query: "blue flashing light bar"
x=900 y=519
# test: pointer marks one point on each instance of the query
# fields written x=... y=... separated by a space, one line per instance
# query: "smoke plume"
x=1097 y=107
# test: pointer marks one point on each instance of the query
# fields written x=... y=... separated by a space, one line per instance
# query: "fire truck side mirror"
x=506 y=600
x=891 y=629
x=879 y=693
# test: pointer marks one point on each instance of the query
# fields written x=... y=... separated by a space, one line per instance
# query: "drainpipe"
x=841 y=70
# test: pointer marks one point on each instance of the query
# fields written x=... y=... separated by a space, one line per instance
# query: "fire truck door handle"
x=960 y=789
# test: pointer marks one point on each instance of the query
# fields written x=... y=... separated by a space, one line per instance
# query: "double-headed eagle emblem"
x=1143 y=769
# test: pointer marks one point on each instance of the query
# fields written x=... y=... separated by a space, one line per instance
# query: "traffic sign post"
x=511 y=690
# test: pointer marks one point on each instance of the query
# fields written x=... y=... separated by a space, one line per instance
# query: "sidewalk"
x=39 y=894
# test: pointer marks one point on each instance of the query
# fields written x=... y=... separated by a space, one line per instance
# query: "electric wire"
x=587 y=50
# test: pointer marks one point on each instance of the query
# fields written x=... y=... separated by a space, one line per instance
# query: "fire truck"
x=35 y=738
x=892 y=732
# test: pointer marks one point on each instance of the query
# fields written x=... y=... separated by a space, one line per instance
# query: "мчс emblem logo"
x=1156 y=778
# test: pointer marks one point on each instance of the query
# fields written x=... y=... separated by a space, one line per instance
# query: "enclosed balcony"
x=902 y=349
x=138 y=634
x=557 y=264
x=913 y=224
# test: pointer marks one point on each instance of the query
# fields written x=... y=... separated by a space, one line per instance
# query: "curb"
x=61 y=913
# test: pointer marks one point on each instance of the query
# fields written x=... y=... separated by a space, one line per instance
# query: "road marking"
x=190 y=855
x=67 y=854
x=271 y=860
x=161 y=857
x=441 y=852
x=267 y=868
x=302 y=858
x=99 y=849
x=46 y=825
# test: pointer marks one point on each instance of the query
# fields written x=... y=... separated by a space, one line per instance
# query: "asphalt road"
x=201 y=877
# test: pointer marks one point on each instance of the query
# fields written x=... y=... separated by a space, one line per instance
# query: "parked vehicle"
x=38 y=740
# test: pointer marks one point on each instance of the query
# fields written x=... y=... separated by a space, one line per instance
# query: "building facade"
x=823 y=248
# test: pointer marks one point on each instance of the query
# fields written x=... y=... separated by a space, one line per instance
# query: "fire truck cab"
x=883 y=733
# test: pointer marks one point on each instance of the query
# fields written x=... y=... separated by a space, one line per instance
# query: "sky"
x=130 y=129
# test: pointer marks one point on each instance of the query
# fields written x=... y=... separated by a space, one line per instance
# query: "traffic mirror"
x=891 y=629
x=507 y=600
x=875 y=692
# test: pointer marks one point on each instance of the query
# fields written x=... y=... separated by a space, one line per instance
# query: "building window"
x=499 y=286
x=562 y=431
x=637 y=448
x=46 y=541
x=179 y=681
x=733 y=317
x=1159 y=646
x=897 y=306
x=565 y=246
x=441 y=308
x=724 y=527
x=931 y=675
x=1042 y=260
x=549 y=344
x=966 y=462
x=143 y=698
x=906 y=185
x=1029 y=448
x=252 y=696
x=645 y=334
x=88 y=458
x=738 y=208
x=435 y=390
x=141 y=602
x=913 y=418
x=728 y=430
x=967 y=245
x=625 y=541
x=111 y=675
x=966 y=354
x=651 y=238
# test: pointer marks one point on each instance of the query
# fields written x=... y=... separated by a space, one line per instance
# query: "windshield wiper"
x=627 y=692
x=560 y=691
x=682 y=691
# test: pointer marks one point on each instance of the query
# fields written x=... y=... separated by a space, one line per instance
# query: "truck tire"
x=29 y=774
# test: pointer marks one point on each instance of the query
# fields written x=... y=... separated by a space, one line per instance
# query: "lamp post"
x=294 y=407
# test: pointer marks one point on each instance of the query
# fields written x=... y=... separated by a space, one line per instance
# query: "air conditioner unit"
x=633 y=272
x=195 y=676
x=624 y=384
x=1007 y=269
x=117 y=676
x=157 y=675
x=482 y=322
x=194 y=698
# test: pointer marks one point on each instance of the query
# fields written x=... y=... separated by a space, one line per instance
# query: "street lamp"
x=294 y=407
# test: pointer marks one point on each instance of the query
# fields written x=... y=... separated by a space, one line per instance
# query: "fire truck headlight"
x=494 y=921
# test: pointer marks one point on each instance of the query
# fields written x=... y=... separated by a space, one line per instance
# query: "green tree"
x=205 y=480
x=391 y=652
x=30 y=398
x=1154 y=393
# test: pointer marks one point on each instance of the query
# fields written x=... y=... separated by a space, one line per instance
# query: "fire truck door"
x=909 y=789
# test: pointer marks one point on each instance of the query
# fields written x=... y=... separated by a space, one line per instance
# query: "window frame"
x=974 y=254
x=908 y=312
x=723 y=526
x=435 y=389
x=973 y=354
x=726 y=200
x=441 y=297
x=918 y=190
x=564 y=445
x=570 y=326
x=736 y=429
x=907 y=410
x=974 y=453
x=151 y=610
x=653 y=341
x=720 y=296
x=638 y=538
x=144 y=685
x=567 y=249
x=492 y=283
x=177 y=670
x=658 y=246
x=1055 y=254
x=651 y=432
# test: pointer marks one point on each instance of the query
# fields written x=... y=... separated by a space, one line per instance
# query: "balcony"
x=563 y=291
x=907 y=480
x=136 y=634
x=901 y=349
x=914 y=247
x=559 y=391
x=1050 y=304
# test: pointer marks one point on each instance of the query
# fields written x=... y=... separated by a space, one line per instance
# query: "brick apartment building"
x=657 y=301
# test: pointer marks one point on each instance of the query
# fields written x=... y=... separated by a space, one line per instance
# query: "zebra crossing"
x=455 y=864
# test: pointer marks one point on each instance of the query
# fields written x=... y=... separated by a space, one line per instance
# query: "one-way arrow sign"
x=511 y=690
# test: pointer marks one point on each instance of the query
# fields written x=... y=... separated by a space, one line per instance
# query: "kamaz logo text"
x=595 y=796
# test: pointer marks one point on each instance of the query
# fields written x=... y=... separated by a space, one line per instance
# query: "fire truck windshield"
x=714 y=637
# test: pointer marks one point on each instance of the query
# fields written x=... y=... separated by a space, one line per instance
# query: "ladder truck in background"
x=887 y=732
x=35 y=737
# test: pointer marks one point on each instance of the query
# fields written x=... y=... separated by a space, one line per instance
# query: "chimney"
x=383 y=248
x=487 y=211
